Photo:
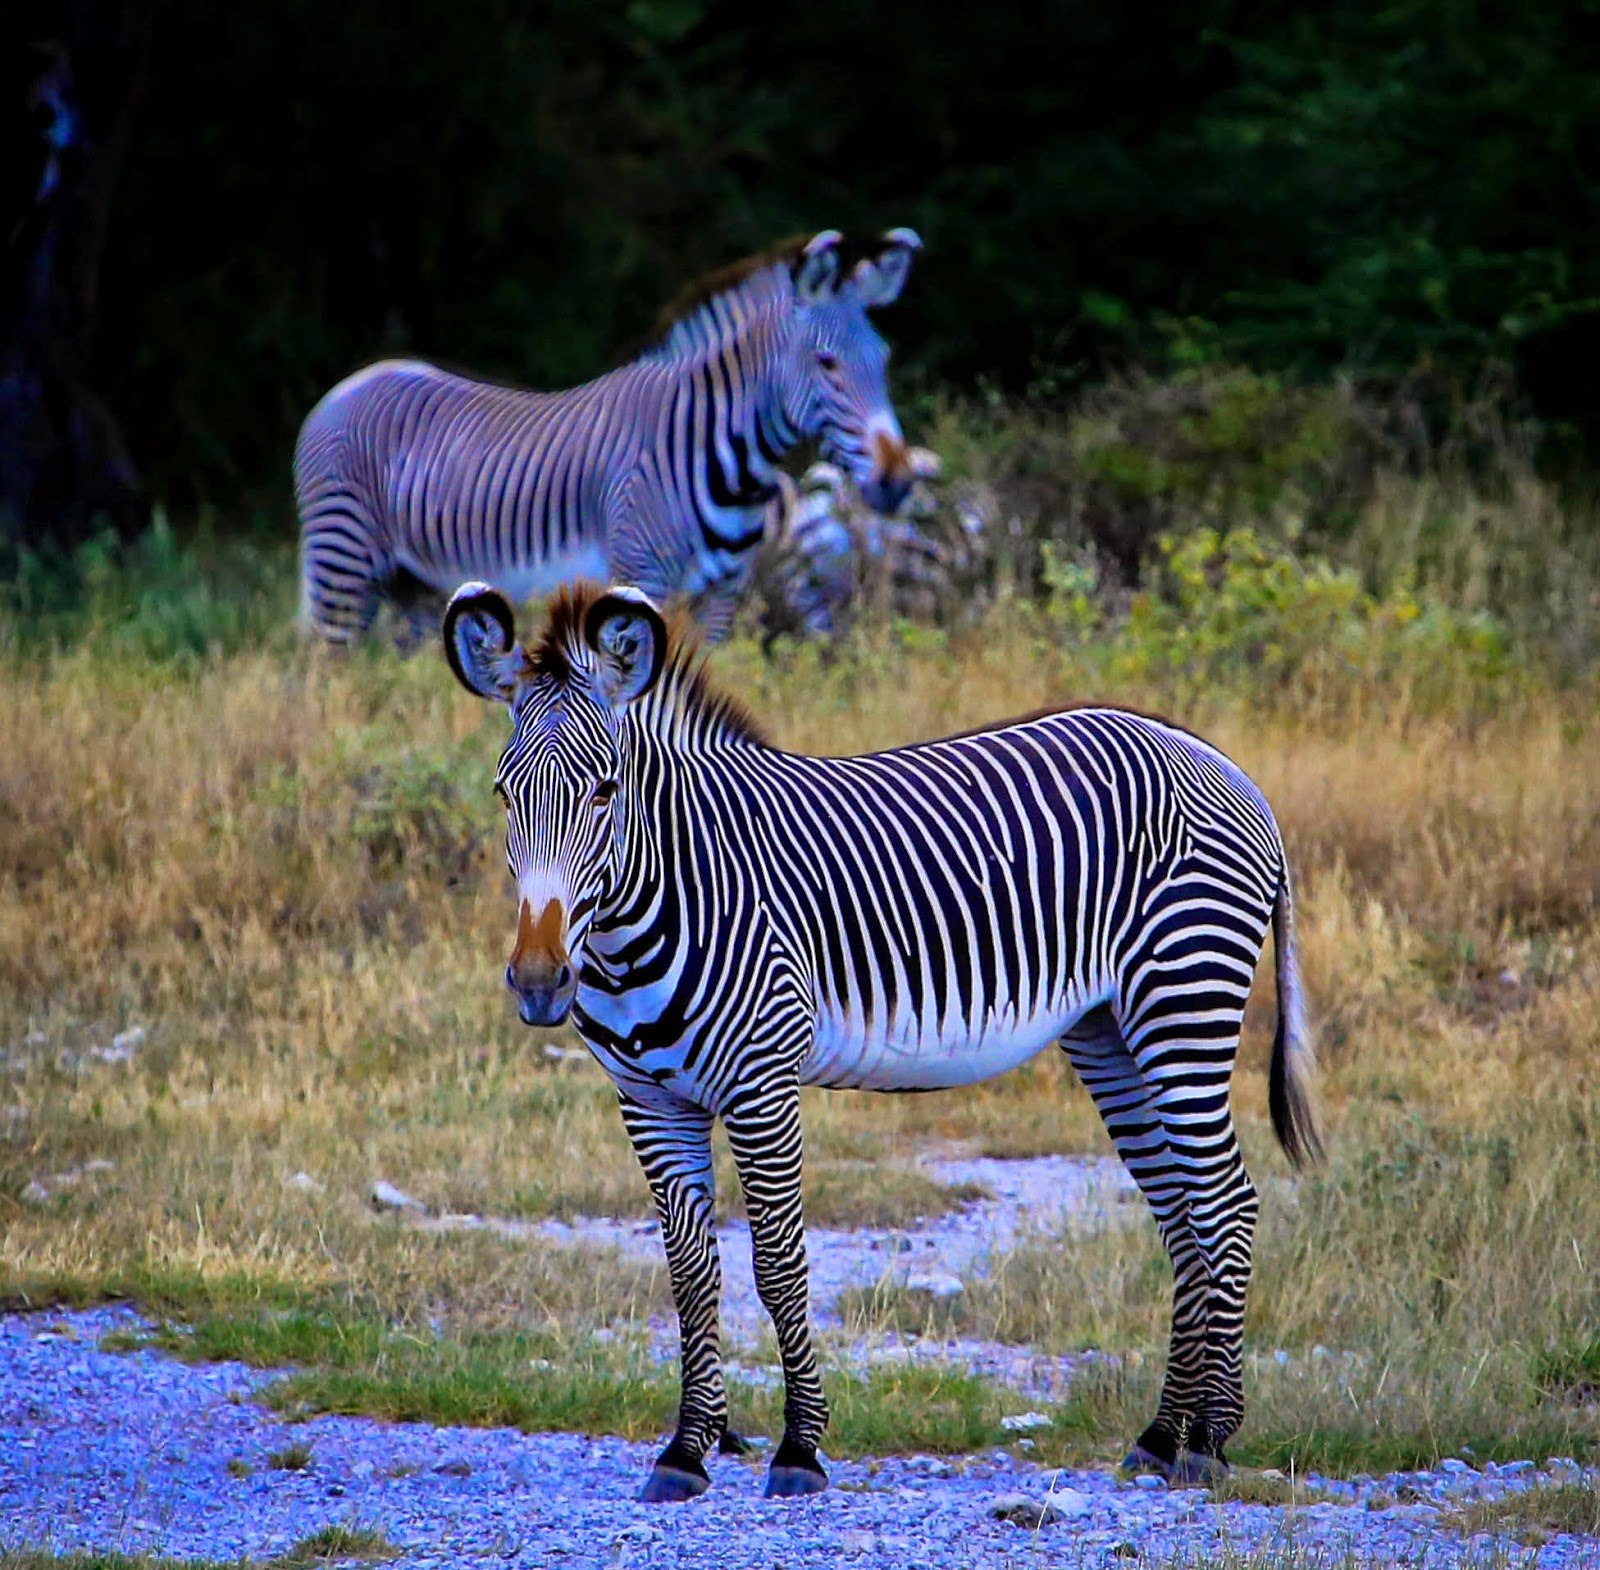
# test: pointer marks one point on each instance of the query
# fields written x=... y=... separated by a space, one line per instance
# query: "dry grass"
x=289 y=875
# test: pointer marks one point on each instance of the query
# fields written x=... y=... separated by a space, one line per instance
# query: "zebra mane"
x=719 y=304
x=685 y=690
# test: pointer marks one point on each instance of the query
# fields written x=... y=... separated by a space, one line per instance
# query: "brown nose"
x=892 y=474
x=540 y=972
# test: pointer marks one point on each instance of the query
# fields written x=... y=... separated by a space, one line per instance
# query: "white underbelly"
x=522 y=581
x=848 y=1055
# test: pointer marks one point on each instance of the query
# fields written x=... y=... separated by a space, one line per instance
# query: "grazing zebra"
x=410 y=479
x=727 y=922
x=828 y=555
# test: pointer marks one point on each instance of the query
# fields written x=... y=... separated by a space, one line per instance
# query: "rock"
x=123 y=1046
x=456 y=1468
x=35 y=1193
x=639 y=1532
x=858 y=1542
x=385 y=1196
x=303 y=1183
x=1023 y=1421
x=1454 y=1467
x=1029 y=1513
x=1149 y=1480
x=936 y=1283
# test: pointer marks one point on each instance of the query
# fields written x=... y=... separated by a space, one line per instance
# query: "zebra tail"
x=1294 y=1118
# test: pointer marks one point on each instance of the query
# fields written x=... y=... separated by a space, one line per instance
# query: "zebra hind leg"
x=1182 y=1027
x=764 y=1134
x=673 y=1144
x=419 y=610
x=1127 y=1108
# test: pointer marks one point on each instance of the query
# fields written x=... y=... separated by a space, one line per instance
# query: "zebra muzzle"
x=892 y=474
x=540 y=973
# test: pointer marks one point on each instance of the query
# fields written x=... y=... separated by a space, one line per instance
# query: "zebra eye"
x=828 y=362
x=603 y=792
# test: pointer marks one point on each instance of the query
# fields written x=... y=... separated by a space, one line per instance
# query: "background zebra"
x=829 y=557
x=727 y=922
x=410 y=479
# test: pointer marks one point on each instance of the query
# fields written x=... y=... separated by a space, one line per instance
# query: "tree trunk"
x=71 y=78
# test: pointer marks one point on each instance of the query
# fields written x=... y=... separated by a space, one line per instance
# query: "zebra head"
x=560 y=774
x=836 y=386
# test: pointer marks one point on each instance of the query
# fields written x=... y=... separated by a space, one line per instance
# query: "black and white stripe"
x=411 y=479
x=756 y=920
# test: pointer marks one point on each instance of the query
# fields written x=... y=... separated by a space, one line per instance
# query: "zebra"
x=827 y=554
x=725 y=922
x=410 y=479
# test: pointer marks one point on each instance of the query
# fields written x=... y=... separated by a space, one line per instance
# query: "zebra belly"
x=847 y=1057
x=518 y=581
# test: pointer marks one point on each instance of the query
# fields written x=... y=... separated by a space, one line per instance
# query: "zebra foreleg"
x=764 y=1133
x=1132 y=1119
x=673 y=1144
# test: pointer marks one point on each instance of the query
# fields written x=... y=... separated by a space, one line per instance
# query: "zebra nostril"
x=563 y=977
x=511 y=978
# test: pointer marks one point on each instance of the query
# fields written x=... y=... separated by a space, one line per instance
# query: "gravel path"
x=131 y=1452
x=1041 y=1197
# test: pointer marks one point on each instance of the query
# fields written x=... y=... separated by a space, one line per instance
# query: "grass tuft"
x=1536 y=1514
x=292 y=1458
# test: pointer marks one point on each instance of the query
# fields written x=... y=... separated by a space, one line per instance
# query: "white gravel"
x=131 y=1452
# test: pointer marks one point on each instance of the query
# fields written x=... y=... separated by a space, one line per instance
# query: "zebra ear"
x=816 y=270
x=629 y=636
x=880 y=279
x=480 y=642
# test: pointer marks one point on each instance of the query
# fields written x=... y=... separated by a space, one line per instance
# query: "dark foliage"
x=519 y=188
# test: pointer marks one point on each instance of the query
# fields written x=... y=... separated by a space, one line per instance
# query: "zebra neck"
x=751 y=436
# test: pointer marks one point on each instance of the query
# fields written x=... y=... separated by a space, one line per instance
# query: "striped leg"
x=764 y=1133
x=1128 y=1109
x=339 y=571
x=673 y=1143
x=1181 y=1016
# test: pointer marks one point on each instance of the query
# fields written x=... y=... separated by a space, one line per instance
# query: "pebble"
x=385 y=1196
x=1023 y=1510
x=1023 y=1421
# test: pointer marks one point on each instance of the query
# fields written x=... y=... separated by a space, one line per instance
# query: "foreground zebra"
x=727 y=922
x=410 y=479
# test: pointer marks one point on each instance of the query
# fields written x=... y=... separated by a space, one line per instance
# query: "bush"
x=1238 y=613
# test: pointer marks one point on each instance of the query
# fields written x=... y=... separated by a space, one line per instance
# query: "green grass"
x=331 y=1545
x=292 y=1458
x=1534 y=1515
x=337 y=1545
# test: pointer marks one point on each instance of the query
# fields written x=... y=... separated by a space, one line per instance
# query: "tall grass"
x=253 y=915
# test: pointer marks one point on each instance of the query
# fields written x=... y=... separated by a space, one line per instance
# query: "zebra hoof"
x=731 y=1444
x=1141 y=1461
x=671 y=1485
x=1194 y=1470
x=794 y=1482
x=795 y=1472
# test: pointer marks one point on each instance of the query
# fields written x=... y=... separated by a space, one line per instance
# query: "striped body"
x=945 y=911
x=735 y=921
x=828 y=557
x=411 y=479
